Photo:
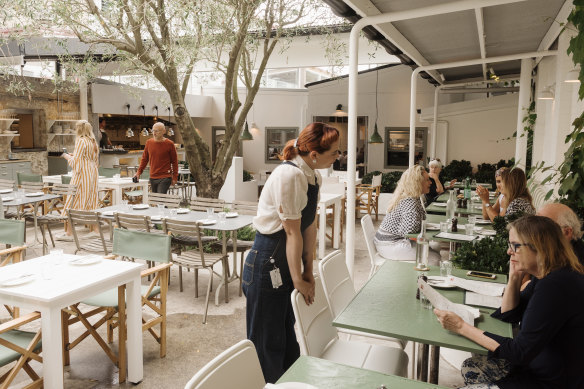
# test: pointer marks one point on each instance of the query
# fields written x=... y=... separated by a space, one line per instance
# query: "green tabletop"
x=431 y=234
x=326 y=374
x=387 y=305
x=460 y=184
x=477 y=209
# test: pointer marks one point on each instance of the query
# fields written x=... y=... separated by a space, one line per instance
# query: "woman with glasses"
x=497 y=209
x=547 y=352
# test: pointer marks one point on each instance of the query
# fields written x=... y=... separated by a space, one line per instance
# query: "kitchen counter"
x=110 y=159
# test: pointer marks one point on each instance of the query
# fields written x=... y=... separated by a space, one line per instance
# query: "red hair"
x=316 y=136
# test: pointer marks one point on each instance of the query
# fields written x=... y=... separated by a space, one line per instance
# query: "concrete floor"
x=190 y=343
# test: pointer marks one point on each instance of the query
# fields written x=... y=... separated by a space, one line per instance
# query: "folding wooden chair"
x=168 y=200
x=201 y=204
x=111 y=304
x=92 y=244
x=12 y=235
x=367 y=197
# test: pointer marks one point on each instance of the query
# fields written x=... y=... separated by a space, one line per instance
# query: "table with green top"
x=326 y=374
x=476 y=209
x=460 y=184
x=436 y=219
x=387 y=306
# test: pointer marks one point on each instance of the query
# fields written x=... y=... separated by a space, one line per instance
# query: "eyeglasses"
x=514 y=246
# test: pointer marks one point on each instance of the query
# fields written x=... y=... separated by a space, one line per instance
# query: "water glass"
x=469 y=229
x=161 y=209
x=222 y=216
x=444 y=226
x=173 y=213
x=425 y=302
x=472 y=219
x=473 y=182
x=125 y=205
x=445 y=268
x=210 y=213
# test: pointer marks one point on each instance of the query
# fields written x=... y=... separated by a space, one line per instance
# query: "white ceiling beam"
x=557 y=26
x=481 y=36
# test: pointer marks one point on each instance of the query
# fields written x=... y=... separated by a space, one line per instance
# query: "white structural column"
x=522 y=107
x=438 y=9
x=83 y=98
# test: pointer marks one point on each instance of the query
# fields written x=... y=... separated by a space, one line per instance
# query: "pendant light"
x=170 y=130
x=375 y=137
x=129 y=132
x=246 y=135
x=144 y=129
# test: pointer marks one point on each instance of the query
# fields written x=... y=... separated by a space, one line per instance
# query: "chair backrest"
x=376 y=180
x=314 y=322
x=132 y=222
x=369 y=234
x=109 y=172
x=63 y=190
x=7 y=184
x=336 y=281
x=202 y=203
x=12 y=232
x=245 y=207
x=29 y=186
x=77 y=216
x=65 y=179
x=186 y=228
x=142 y=245
x=26 y=177
x=236 y=367
x=171 y=201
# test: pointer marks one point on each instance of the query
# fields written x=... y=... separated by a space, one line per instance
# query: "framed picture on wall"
x=276 y=139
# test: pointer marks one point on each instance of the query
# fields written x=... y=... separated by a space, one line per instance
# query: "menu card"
x=481 y=287
x=473 y=298
x=449 y=235
x=468 y=314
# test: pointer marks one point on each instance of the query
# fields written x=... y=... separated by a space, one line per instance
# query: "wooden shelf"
x=9 y=135
x=50 y=122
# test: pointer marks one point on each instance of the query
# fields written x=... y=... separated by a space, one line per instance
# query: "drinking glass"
x=173 y=213
x=472 y=219
x=445 y=268
x=222 y=217
x=473 y=182
x=210 y=213
x=444 y=226
x=469 y=229
x=161 y=209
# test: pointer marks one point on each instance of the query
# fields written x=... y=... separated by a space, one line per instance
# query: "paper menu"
x=473 y=298
x=480 y=287
x=468 y=314
x=449 y=235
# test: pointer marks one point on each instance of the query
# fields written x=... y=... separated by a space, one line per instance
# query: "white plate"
x=183 y=210
x=440 y=204
x=440 y=282
x=17 y=280
x=432 y=226
x=5 y=190
x=207 y=222
x=34 y=194
x=140 y=206
x=488 y=232
x=8 y=198
x=294 y=385
x=108 y=213
x=231 y=214
x=156 y=218
x=86 y=260
x=482 y=221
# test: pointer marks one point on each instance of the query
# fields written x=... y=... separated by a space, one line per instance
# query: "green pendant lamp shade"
x=375 y=137
x=246 y=135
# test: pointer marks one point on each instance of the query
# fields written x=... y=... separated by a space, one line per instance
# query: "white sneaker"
x=64 y=237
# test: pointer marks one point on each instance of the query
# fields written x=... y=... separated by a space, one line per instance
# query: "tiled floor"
x=190 y=343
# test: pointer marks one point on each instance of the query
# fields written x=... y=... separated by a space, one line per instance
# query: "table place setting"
x=8 y=198
x=34 y=194
x=290 y=385
x=140 y=206
x=231 y=214
x=453 y=236
x=17 y=280
x=85 y=260
x=468 y=314
x=443 y=205
x=3 y=191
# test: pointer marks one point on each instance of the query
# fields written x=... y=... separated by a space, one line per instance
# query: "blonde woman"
x=497 y=209
x=404 y=216
x=84 y=164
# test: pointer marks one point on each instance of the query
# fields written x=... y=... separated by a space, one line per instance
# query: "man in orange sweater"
x=161 y=154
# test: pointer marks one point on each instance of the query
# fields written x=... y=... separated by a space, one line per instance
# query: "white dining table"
x=327 y=199
x=119 y=184
x=71 y=284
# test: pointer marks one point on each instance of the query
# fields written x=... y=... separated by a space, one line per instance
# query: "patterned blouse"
x=520 y=205
x=405 y=218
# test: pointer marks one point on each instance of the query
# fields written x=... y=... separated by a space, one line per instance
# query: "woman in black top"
x=548 y=350
x=436 y=188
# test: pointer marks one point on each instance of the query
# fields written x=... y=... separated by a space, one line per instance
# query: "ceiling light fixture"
x=375 y=137
x=339 y=111
x=144 y=129
x=246 y=135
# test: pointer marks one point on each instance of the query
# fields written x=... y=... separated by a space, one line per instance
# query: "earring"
x=314 y=160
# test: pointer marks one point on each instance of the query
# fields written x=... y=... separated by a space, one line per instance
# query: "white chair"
x=236 y=367
x=318 y=338
x=339 y=291
x=369 y=233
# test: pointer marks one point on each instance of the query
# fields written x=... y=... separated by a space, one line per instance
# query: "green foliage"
x=388 y=180
x=247 y=176
x=245 y=233
x=488 y=255
x=486 y=173
x=457 y=169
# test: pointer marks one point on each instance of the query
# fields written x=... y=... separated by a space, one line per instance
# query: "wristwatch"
x=487 y=205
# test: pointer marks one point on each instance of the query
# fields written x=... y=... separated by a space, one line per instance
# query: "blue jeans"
x=269 y=315
x=160 y=185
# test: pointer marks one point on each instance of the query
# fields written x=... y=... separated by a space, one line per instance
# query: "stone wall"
x=38 y=159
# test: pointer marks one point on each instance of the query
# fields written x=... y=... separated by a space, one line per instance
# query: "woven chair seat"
x=192 y=259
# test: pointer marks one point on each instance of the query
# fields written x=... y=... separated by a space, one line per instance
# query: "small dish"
x=440 y=204
x=17 y=280
x=429 y=226
x=207 y=222
x=182 y=210
x=488 y=232
x=34 y=194
x=86 y=260
x=8 y=198
x=482 y=221
x=108 y=213
x=231 y=214
x=156 y=218
x=140 y=206
x=440 y=282
x=5 y=190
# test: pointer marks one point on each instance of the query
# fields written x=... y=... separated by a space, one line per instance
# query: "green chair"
x=20 y=347
x=26 y=177
x=12 y=235
x=65 y=179
x=128 y=245
x=108 y=172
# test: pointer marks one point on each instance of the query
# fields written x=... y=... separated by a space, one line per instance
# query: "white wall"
x=478 y=129
x=393 y=102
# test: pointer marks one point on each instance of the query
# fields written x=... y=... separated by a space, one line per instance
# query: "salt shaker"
x=454 y=225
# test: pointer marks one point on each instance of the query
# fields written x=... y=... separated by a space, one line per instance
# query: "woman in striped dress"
x=84 y=164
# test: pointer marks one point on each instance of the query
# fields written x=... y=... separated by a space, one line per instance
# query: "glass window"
x=397 y=147
x=276 y=139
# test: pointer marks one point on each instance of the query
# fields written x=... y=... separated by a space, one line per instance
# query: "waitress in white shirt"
x=282 y=255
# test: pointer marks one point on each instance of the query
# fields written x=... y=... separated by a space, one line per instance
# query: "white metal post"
x=522 y=107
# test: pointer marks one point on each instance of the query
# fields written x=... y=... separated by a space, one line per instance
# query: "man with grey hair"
x=570 y=224
x=161 y=154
